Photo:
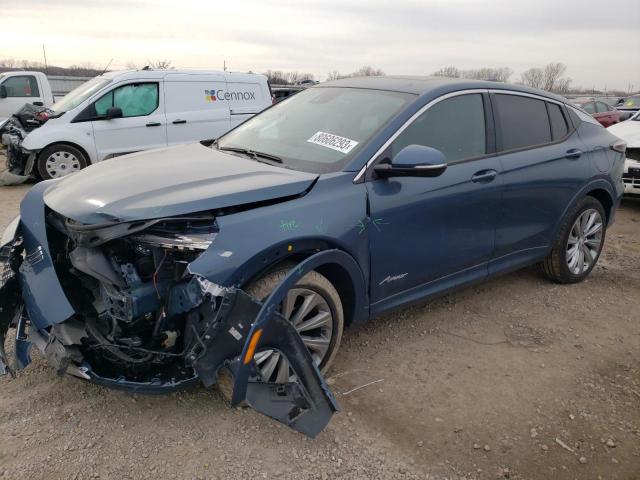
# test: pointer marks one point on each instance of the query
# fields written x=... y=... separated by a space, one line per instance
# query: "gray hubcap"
x=61 y=163
x=585 y=241
x=309 y=312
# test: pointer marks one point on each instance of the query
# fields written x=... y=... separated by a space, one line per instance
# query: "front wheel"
x=60 y=160
x=579 y=243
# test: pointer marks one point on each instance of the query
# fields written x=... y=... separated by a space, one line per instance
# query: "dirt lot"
x=516 y=378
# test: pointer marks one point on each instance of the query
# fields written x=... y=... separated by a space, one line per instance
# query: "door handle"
x=38 y=104
x=179 y=121
x=484 y=176
x=573 y=154
x=153 y=124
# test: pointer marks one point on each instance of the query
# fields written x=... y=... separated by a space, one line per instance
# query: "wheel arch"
x=69 y=144
x=605 y=198
x=344 y=273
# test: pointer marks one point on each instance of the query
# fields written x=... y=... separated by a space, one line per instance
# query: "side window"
x=22 y=86
x=135 y=100
x=523 y=121
x=559 y=128
x=589 y=107
x=455 y=126
x=602 y=107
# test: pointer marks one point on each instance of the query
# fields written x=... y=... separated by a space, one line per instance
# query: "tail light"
x=618 y=146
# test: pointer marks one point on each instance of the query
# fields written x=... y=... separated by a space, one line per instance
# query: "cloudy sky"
x=598 y=41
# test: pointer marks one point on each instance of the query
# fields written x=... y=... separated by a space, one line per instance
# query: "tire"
x=59 y=160
x=574 y=254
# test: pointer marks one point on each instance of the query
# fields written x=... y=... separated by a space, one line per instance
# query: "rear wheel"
x=579 y=243
x=57 y=161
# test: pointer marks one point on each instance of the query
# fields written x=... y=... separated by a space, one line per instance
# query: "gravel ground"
x=515 y=378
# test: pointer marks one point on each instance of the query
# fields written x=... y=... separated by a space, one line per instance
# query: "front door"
x=143 y=122
x=427 y=234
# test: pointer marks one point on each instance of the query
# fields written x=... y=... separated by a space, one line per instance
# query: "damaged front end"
x=118 y=305
x=20 y=162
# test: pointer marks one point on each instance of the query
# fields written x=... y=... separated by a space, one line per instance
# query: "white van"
x=129 y=111
x=18 y=88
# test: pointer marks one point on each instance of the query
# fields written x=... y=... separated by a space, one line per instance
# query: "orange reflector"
x=252 y=346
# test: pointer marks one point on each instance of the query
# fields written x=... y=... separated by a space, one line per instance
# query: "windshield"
x=79 y=94
x=317 y=130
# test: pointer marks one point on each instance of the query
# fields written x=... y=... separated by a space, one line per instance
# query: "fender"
x=251 y=241
x=595 y=184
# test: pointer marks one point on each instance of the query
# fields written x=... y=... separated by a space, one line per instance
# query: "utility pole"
x=224 y=65
x=46 y=69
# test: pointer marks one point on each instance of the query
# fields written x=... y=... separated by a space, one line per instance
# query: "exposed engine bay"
x=134 y=292
x=144 y=322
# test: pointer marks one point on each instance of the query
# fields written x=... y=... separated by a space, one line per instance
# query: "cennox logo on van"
x=213 y=95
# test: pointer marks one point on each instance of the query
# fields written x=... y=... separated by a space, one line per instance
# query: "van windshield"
x=317 y=130
x=79 y=94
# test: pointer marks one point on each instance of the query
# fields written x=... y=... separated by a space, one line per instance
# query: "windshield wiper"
x=253 y=154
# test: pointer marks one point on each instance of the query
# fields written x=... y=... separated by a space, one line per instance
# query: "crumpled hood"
x=169 y=182
x=629 y=131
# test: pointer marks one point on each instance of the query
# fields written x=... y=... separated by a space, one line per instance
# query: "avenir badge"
x=329 y=140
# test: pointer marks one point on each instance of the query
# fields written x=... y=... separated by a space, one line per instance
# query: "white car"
x=129 y=111
x=629 y=131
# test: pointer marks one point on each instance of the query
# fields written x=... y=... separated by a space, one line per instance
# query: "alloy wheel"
x=311 y=315
x=584 y=242
x=61 y=163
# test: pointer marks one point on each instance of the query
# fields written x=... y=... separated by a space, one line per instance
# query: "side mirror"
x=414 y=161
x=114 y=112
x=3 y=91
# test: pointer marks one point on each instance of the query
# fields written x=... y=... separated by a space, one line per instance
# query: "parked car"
x=129 y=111
x=628 y=106
x=629 y=131
x=249 y=257
x=281 y=92
x=602 y=112
x=18 y=88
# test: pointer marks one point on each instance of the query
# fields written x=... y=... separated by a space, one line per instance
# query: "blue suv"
x=240 y=261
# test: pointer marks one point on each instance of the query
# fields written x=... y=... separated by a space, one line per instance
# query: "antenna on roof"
x=105 y=68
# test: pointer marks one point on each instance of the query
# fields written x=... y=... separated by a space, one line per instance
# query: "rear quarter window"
x=559 y=128
x=523 y=121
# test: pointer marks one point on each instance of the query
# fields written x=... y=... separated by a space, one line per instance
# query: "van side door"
x=544 y=164
x=247 y=95
x=195 y=107
x=141 y=127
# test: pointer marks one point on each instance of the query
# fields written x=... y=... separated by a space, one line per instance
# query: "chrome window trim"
x=525 y=94
x=406 y=124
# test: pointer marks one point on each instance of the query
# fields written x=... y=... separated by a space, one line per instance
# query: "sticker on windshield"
x=329 y=140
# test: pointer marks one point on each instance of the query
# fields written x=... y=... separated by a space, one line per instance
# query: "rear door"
x=544 y=163
x=196 y=107
x=605 y=114
x=142 y=125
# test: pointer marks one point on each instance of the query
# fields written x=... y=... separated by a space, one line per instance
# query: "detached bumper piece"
x=10 y=301
x=305 y=404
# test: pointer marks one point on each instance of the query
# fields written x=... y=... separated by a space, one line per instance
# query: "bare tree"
x=534 y=77
x=449 y=72
x=334 y=75
x=367 y=71
x=161 y=65
x=549 y=78
x=489 y=73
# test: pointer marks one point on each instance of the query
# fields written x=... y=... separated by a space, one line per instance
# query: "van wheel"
x=57 y=161
x=579 y=243
x=313 y=306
